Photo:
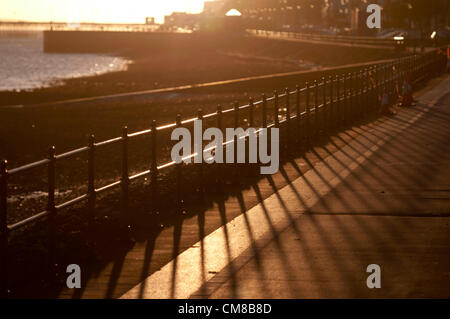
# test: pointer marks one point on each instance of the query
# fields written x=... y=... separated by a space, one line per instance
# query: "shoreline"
x=157 y=70
x=175 y=90
x=28 y=69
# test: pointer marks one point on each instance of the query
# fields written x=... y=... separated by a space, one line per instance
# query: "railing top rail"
x=28 y=166
x=328 y=36
x=110 y=141
x=73 y=152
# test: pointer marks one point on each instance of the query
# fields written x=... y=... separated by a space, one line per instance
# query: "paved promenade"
x=383 y=199
x=375 y=194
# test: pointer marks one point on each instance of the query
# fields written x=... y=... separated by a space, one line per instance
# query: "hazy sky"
x=94 y=10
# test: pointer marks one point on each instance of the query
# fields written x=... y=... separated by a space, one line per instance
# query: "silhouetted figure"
x=387 y=105
x=407 y=91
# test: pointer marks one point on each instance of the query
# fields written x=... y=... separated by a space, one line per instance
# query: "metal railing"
x=344 y=97
x=345 y=39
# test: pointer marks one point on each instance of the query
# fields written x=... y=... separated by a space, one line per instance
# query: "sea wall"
x=113 y=42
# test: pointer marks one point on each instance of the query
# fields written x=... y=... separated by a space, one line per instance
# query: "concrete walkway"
x=383 y=198
x=384 y=204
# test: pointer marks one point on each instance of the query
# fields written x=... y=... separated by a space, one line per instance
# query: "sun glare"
x=106 y=11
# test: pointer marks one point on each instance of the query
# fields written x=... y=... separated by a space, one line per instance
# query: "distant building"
x=309 y=15
x=279 y=14
x=221 y=16
x=347 y=15
x=214 y=8
x=338 y=14
x=150 y=20
x=182 y=20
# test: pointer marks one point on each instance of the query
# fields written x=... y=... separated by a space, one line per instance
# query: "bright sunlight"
x=104 y=11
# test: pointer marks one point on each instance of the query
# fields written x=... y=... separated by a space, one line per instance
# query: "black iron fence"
x=393 y=42
x=319 y=107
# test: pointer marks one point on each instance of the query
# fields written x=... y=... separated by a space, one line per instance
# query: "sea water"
x=25 y=66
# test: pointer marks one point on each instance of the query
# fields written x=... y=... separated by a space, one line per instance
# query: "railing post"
x=178 y=168
x=361 y=93
x=350 y=100
x=51 y=210
x=288 y=124
x=298 y=113
x=356 y=89
x=219 y=172
x=3 y=229
x=251 y=123
x=354 y=96
x=264 y=118
x=379 y=90
x=345 y=101
x=338 y=107
x=219 y=117
x=251 y=112
x=236 y=114
x=332 y=105
x=264 y=111
x=91 y=178
x=373 y=85
x=235 y=142
x=392 y=75
x=385 y=74
x=368 y=89
x=308 y=114
x=201 y=187
x=236 y=125
x=368 y=86
x=275 y=109
x=389 y=75
x=358 y=85
x=316 y=108
x=411 y=65
x=125 y=178
x=351 y=103
x=414 y=69
x=154 y=170
x=324 y=112
x=374 y=95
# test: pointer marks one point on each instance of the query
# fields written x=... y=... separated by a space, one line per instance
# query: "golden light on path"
x=105 y=11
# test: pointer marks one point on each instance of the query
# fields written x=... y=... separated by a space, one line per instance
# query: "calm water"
x=24 y=65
